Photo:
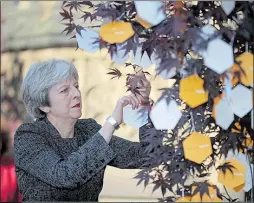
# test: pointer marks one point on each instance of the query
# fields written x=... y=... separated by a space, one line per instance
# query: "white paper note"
x=241 y=100
x=137 y=117
x=150 y=11
x=224 y=114
x=87 y=39
x=165 y=116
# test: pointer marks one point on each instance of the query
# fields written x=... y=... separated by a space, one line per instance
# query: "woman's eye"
x=77 y=86
x=63 y=91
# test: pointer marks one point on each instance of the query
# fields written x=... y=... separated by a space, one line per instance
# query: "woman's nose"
x=76 y=92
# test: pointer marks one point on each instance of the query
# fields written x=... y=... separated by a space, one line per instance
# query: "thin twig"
x=232 y=39
x=246 y=46
x=252 y=183
x=193 y=123
x=227 y=193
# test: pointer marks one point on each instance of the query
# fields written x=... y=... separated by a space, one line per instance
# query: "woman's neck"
x=64 y=127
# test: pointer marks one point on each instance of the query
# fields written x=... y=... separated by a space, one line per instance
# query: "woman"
x=60 y=157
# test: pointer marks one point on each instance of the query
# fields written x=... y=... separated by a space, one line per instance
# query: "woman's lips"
x=76 y=106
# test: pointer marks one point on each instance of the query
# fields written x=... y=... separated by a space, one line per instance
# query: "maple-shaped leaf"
x=153 y=138
x=78 y=29
x=66 y=15
x=64 y=2
x=131 y=45
x=177 y=178
x=77 y=4
x=162 y=184
x=88 y=15
x=106 y=11
x=202 y=188
x=171 y=27
x=148 y=48
x=134 y=66
x=144 y=175
x=87 y=3
x=112 y=50
x=70 y=27
x=226 y=166
x=194 y=167
x=73 y=37
x=231 y=141
x=245 y=122
x=156 y=185
x=168 y=64
x=134 y=82
x=170 y=93
x=115 y=72
x=102 y=43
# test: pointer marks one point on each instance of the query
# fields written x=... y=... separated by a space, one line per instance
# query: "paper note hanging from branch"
x=243 y=159
x=218 y=56
x=192 y=91
x=87 y=40
x=116 y=32
x=165 y=116
x=135 y=118
x=197 y=147
x=241 y=100
x=224 y=115
x=150 y=11
x=228 y=6
x=234 y=177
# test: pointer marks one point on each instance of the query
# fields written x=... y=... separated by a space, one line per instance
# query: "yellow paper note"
x=197 y=147
x=116 y=32
x=192 y=91
x=233 y=180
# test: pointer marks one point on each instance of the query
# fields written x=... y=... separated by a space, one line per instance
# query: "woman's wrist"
x=107 y=131
x=148 y=102
x=113 y=122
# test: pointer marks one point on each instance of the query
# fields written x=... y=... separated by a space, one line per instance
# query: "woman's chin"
x=76 y=115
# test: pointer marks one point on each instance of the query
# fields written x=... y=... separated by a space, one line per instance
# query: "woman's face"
x=65 y=100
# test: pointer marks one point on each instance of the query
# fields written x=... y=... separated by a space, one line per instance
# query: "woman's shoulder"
x=35 y=126
x=30 y=131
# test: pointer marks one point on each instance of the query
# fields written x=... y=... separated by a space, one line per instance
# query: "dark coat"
x=52 y=168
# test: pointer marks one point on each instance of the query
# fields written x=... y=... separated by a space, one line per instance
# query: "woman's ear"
x=45 y=109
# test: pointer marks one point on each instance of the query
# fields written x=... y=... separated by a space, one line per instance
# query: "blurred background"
x=31 y=32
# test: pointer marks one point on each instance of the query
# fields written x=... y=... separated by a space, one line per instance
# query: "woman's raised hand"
x=133 y=100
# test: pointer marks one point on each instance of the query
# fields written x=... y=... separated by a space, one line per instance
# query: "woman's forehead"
x=69 y=81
